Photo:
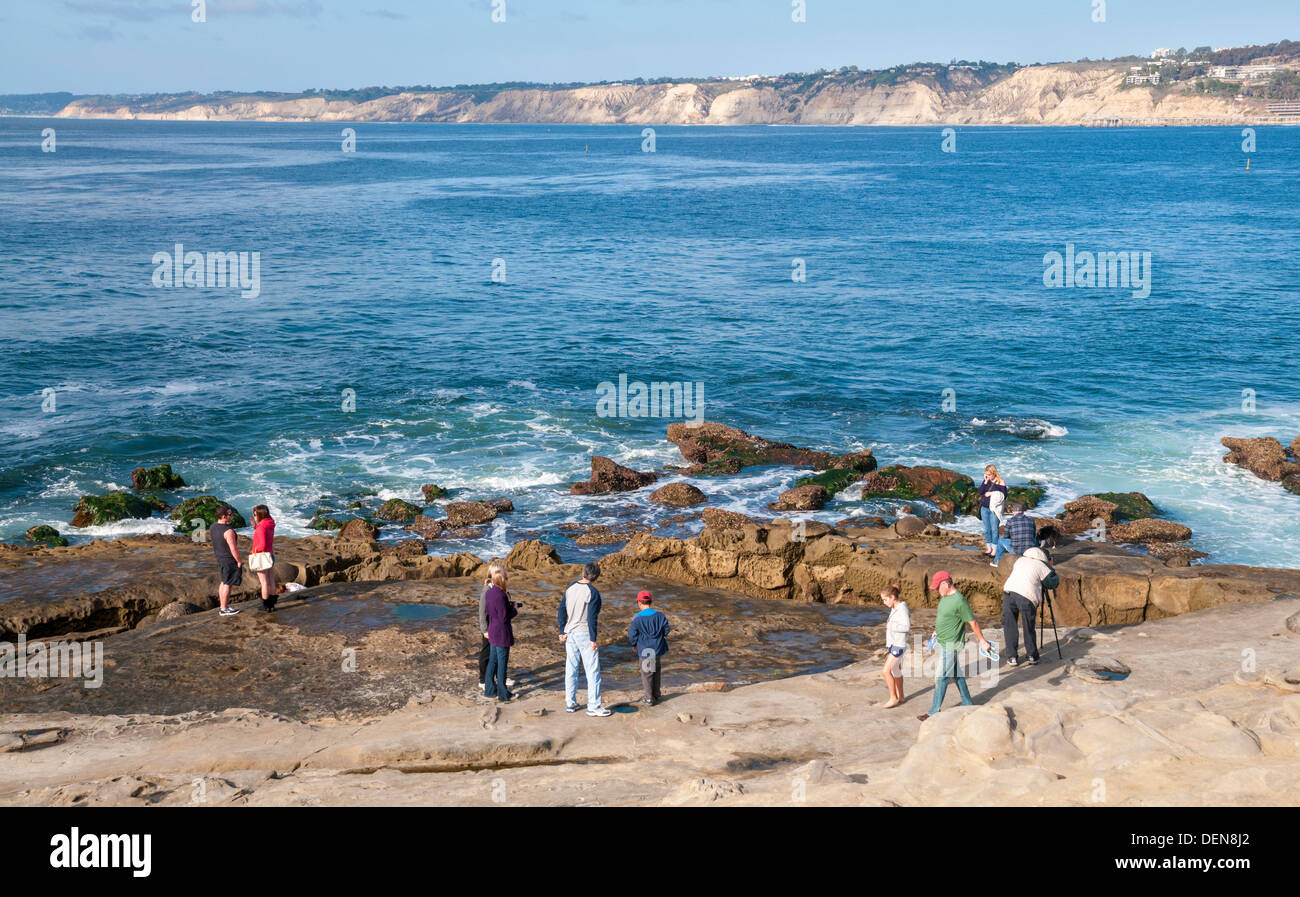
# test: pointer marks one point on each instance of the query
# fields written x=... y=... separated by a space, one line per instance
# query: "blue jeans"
x=494 y=681
x=990 y=525
x=949 y=668
x=578 y=646
x=1004 y=546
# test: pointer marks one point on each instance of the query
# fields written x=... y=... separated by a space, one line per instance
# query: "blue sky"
x=138 y=46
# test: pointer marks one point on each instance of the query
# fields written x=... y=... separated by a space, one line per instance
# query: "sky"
x=146 y=46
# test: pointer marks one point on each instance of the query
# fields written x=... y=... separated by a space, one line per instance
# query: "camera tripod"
x=1043 y=610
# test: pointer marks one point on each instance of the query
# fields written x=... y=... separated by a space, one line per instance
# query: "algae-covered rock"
x=1129 y=506
x=160 y=477
x=97 y=510
x=398 y=511
x=46 y=535
x=326 y=523
x=433 y=491
x=205 y=508
x=1029 y=495
x=833 y=480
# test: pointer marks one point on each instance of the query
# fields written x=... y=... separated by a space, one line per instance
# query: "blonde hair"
x=997 y=477
x=497 y=575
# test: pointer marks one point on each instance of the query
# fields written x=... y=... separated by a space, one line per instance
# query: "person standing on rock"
x=950 y=623
x=649 y=636
x=1021 y=595
x=897 y=628
x=226 y=548
x=262 y=558
x=993 y=494
x=1021 y=534
x=485 y=649
x=579 y=611
x=500 y=611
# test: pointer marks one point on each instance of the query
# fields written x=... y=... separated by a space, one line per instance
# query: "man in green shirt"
x=950 y=629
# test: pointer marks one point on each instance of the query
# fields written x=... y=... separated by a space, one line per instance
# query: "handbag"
x=260 y=560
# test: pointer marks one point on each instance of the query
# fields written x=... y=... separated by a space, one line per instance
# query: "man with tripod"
x=1021 y=595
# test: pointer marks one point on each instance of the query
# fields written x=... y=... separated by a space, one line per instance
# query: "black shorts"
x=231 y=573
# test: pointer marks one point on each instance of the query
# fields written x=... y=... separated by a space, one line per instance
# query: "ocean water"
x=924 y=274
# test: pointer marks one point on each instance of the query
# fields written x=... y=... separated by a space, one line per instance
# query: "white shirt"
x=1028 y=574
x=898 y=626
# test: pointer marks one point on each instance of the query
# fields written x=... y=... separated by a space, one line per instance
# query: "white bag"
x=260 y=560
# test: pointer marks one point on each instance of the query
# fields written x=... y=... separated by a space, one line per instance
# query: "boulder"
x=946 y=488
x=325 y=523
x=607 y=476
x=1128 y=506
x=910 y=526
x=679 y=495
x=1081 y=513
x=97 y=510
x=533 y=554
x=358 y=528
x=1291 y=483
x=47 y=536
x=178 y=609
x=398 y=511
x=160 y=477
x=1264 y=457
x=425 y=527
x=205 y=508
x=461 y=514
x=714 y=448
x=801 y=498
x=1175 y=555
x=432 y=491
x=503 y=505
x=1149 y=530
x=718 y=518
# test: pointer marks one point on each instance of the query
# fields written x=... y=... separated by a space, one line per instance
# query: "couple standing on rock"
x=261 y=560
x=576 y=621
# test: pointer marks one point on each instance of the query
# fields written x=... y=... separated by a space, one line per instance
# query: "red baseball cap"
x=940 y=577
x=644 y=596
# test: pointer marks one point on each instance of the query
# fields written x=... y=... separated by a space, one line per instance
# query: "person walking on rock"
x=897 y=629
x=578 y=615
x=226 y=548
x=993 y=494
x=1021 y=595
x=500 y=610
x=648 y=634
x=950 y=623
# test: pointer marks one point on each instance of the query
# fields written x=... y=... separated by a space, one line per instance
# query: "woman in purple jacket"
x=500 y=611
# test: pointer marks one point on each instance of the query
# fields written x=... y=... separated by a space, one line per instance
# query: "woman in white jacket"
x=896 y=632
x=1021 y=595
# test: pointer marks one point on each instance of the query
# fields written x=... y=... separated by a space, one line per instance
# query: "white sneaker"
x=599 y=711
x=482 y=686
x=228 y=612
x=510 y=683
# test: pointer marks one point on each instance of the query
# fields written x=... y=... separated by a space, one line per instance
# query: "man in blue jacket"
x=649 y=635
x=579 y=611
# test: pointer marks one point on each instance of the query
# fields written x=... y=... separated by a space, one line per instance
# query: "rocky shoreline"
x=368 y=675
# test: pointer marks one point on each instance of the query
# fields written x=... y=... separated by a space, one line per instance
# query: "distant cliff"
x=1063 y=94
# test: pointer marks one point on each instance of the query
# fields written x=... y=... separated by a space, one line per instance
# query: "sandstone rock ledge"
x=1185 y=728
x=1100 y=582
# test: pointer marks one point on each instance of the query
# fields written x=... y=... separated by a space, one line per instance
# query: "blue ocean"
x=441 y=305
